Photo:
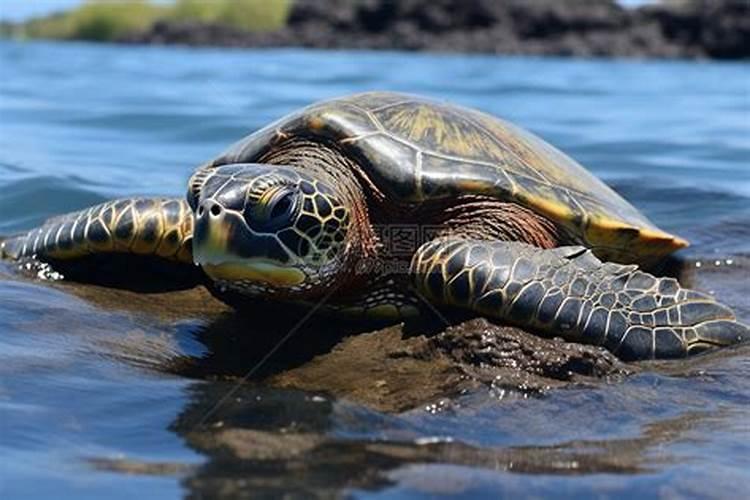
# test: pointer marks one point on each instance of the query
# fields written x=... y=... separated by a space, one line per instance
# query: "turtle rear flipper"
x=567 y=291
x=115 y=242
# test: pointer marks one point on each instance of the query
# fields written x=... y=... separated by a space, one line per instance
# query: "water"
x=88 y=392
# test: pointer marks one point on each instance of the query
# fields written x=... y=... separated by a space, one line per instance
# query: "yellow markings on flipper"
x=124 y=225
x=185 y=253
x=149 y=228
x=170 y=243
x=163 y=228
x=177 y=233
x=98 y=235
x=256 y=270
x=160 y=227
x=65 y=246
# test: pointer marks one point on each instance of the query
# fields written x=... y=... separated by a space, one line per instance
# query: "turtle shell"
x=417 y=150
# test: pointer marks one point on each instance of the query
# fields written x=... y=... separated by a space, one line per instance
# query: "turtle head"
x=268 y=229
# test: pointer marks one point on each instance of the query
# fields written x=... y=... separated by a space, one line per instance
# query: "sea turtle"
x=382 y=204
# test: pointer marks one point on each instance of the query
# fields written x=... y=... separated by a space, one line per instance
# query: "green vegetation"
x=249 y=15
x=96 y=20
x=104 y=20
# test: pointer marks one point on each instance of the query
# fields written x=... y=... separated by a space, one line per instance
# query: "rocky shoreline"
x=587 y=28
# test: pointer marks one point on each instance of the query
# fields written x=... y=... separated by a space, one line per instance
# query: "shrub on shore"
x=103 y=20
x=249 y=15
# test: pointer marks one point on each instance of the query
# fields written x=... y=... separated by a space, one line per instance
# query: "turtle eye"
x=274 y=209
x=282 y=206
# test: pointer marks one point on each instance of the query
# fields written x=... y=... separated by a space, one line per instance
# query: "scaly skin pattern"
x=567 y=291
x=146 y=226
x=312 y=236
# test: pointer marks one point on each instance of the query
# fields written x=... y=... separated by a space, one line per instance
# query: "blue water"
x=82 y=123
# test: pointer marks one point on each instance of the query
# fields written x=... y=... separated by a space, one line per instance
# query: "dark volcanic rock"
x=394 y=370
x=719 y=29
x=698 y=28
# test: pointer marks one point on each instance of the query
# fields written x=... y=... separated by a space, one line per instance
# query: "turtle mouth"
x=255 y=270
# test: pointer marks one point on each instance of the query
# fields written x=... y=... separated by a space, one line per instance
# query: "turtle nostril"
x=209 y=207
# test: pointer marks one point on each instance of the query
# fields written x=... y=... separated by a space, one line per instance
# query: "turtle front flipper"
x=568 y=292
x=154 y=227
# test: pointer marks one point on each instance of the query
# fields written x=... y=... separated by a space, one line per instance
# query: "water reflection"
x=265 y=442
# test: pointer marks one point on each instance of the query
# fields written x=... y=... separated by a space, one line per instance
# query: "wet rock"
x=381 y=370
x=698 y=28
x=396 y=370
x=487 y=350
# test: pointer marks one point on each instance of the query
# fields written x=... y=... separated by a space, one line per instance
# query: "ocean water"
x=80 y=395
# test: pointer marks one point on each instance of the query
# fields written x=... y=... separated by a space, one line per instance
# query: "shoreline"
x=686 y=30
x=569 y=28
